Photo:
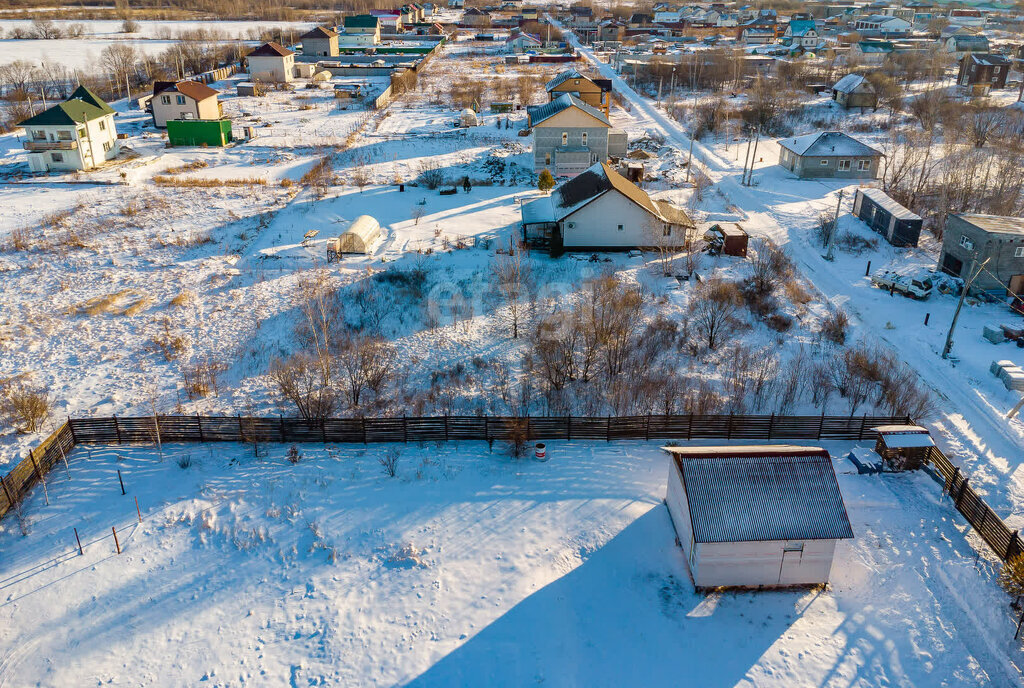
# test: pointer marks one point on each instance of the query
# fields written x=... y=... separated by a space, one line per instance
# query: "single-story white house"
x=600 y=210
x=756 y=516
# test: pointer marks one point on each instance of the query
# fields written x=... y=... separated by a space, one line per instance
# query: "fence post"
x=405 y=428
x=363 y=424
x=446 y=428
x=528 y=427
x=689 y=427
x=728 y=428
x=952 y=480
x=7 y=491
x=487 y=434
x=960 y=494
x=241 y=433
x=863 y=422
x=199 y=426
x=771 y=425
x=323 y=430
x=821 y=424
x=647 y=430
x=1012 y=549
x=280 y=424
x=117 y=428
x=608 y=429
x=568 y=427
x=71 y=427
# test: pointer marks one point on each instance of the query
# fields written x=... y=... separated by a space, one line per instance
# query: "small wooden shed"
x=899 y=226
x=756 y=516
x=731 y=238
x=904 y=447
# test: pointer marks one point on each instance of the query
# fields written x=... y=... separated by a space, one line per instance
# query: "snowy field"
x=467 y=568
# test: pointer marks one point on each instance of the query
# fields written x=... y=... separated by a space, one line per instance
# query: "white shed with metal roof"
x=756 y=516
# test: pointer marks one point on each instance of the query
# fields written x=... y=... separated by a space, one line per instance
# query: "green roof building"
x=77 y=134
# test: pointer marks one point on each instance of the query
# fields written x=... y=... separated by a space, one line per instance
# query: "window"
x=824 y=162
x=106 y=146
x=103 y=125
x=81 y=133
x=621 y=228
x=1018 y=252
x=64 y=135
x=547 y=158
x=57 y=157
x=863 y=165
x=966 y=242
x=565 y=138
x=667 y=231
x=39 y=135
x=166 y=100
x=181 y=100
x=844 y=165
x=793 y=547
x=584 y=137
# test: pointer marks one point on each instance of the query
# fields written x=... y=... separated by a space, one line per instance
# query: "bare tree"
x=366 y=364
x=299 y=379
x=512 y=274
x=121 y=60
x=713 y=310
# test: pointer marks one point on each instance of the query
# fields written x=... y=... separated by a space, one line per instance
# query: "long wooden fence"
x=113 y=430
x=1004 y=542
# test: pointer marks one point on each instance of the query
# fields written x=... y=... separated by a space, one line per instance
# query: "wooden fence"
x=1004 y=542
x=55 y=450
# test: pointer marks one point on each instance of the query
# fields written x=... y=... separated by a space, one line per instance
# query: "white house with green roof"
x=78 y=134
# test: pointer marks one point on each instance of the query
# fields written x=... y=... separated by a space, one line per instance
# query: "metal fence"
x=113 y=430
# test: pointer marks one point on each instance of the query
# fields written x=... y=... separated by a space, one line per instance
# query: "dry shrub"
x=141 y=304
x=200 y=378
x=56 y=220
x=834 y=326
x=185 y=298
x=796 y=293
x=111 y=303
x=23 y=405
x=517 y=437
x=207 y=183
x=20 y=239
x=194 y=165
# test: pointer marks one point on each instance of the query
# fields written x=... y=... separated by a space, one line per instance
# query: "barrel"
x=541 y=452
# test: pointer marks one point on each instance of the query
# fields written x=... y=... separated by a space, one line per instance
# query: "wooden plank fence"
x=147 y=430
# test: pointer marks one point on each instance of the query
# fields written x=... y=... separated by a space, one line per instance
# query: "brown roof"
x=595 y=181
x=675 y=215
x=629 y=190
x=271 y=49
x=320 y=32
x=193 y=89
x=738 y=450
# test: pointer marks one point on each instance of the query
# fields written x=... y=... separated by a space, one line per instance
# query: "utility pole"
x=661 y=81
x=746 y=159
x=972 y=274
x=829 y=254
x=753 y=157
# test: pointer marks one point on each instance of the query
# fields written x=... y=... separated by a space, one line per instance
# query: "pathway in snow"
x=968 y=417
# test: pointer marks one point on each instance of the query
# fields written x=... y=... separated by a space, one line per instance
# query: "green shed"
x=199 y=132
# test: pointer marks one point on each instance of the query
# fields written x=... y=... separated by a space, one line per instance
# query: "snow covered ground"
x=467 y=568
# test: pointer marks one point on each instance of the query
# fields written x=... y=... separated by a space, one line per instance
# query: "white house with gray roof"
x=569 y=136
x=600 y=210
x=829 y=154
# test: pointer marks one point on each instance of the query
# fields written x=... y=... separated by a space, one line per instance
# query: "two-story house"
x=183 y=100
x=321 y=42
x=271 y=62
x=569 y=136
x=597 y=93
x=981 y=72
x=78 y=134
x=801 y=33
x=360 y=29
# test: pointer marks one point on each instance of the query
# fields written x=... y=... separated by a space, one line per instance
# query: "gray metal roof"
x=828 y=144
x=994 y=223
x=849 y=82
x=749 y=494
x=563 y=102
x=882 y=200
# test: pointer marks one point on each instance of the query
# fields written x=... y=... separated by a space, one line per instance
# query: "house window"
x=63 y=135
x=844 y=165
x=793 y=547
x=565 y=138
x=1018 y=252
x=966 y=242
x=106 y=146
x=584 y=137
x=667 y=231
x=181 y=100
x=621 y=228
x=823 y=162
x=103 y=125
x=166 y=100
x=547 y=158
x=863 y=165
x=39 y=135
x=57 y=157
x=81 y=133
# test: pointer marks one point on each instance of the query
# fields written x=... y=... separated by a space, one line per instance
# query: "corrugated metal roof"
x=994 y=223
x=563 y=102
x=827 y=144
x=748 y=494
x=882 y=200
x=848 y=83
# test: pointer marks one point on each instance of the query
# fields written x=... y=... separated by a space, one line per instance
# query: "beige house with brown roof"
x=271 y=62
x=183 y=100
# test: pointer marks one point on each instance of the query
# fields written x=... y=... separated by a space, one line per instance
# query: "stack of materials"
x=1011 y=374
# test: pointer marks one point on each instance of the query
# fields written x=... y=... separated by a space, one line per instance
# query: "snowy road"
x=969 y=425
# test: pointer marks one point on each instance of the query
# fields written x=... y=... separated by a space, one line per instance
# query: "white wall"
x=761 y=563
x=596 y=224
x=271 y=68
x=678 y=508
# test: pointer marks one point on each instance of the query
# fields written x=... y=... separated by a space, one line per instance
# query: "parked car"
x=909 y=285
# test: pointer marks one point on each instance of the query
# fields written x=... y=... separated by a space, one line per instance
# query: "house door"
x=1016 y=286
x=789 y=570
x=952 y=265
